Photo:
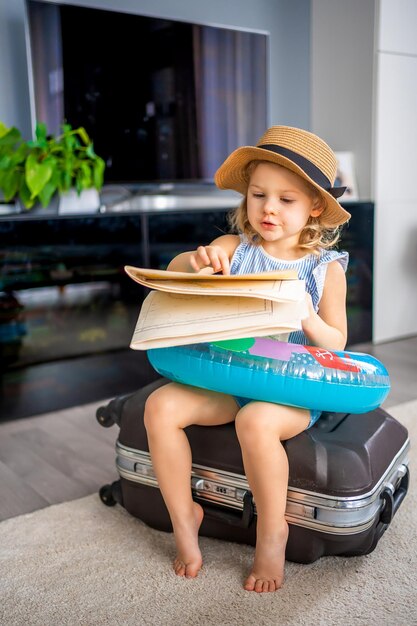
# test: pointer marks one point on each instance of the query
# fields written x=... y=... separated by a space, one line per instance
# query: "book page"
x=288 y=290
x=142 y=274
x=168 y=319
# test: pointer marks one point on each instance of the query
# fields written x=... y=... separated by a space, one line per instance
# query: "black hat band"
x=308 y=167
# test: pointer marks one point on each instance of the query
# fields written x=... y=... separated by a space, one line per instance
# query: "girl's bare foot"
x=189 y=560
x=268 y=568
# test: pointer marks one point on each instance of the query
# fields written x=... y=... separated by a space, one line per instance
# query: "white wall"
x=395 y=158
x=342 y=58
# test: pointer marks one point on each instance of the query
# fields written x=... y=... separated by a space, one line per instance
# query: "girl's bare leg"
x=168 y=411
x=261 y=427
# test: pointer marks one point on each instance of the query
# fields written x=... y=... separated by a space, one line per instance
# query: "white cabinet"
x=395 y=172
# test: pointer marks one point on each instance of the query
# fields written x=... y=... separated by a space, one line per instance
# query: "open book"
x=277 y=286
x=188 y=308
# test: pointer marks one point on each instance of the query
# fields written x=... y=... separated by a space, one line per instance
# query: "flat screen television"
x=163 y=100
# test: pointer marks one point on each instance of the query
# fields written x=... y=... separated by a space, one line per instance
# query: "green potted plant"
x=35 y=171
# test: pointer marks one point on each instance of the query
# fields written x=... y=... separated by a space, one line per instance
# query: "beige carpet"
x=83 y=563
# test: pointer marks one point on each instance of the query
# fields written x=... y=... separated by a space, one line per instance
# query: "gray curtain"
x=231 y=87
x=45 y=37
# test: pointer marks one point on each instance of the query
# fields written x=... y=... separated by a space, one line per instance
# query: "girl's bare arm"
x=215 y=256
x=328 y=327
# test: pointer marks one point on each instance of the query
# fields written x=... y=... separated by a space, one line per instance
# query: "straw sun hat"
x=298 y=150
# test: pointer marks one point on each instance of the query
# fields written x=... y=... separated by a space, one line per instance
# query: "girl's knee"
x=259 y=421
x=254 y=421
x=159 y=409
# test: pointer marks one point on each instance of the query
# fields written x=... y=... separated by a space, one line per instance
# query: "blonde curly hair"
x=315 y=234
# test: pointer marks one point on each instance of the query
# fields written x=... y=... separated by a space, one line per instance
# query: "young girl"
x=289 y=219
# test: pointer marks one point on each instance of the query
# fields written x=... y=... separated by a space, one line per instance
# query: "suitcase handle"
x=392 y=501
x=233 y=519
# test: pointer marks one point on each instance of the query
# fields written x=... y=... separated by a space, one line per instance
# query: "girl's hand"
x=310 y=319
x=310 y=306
x=214 y=257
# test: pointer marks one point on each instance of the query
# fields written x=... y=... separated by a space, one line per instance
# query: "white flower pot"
x=71 y=203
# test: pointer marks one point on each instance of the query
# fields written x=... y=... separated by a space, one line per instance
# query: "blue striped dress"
x=249 y=258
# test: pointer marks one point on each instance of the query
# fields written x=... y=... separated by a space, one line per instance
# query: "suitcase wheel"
x=105 y=416
x=111 y=494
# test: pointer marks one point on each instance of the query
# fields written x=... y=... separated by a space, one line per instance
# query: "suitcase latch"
x=208 y=486
x=300 y=510
x=144 y=470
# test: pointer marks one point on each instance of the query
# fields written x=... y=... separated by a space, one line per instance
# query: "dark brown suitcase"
x=348 y=476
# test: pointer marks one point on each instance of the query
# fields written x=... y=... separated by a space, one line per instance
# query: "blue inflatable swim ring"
x=284 y=373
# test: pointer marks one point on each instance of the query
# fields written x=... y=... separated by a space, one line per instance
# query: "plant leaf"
x=25 y=195
x=18 y=157
x=10 y=184
x=3 y=129
x=90 y=152
x=98 y=173
x=87 y=177
x=66 y=180
x=11 y=137
x=84 y=136
x=52 y=162
x=47 y=192
x=5 y=161
x=69 y=141
x=38 y=143
x=41 y=132
x=36 y=174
